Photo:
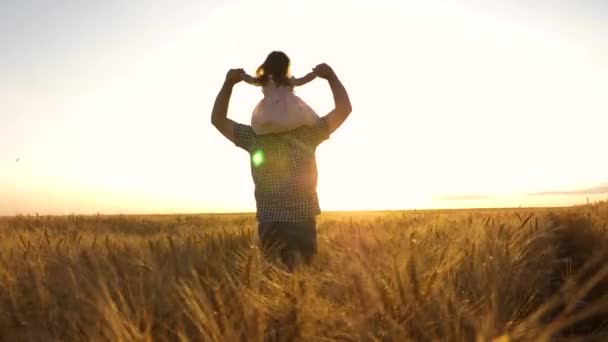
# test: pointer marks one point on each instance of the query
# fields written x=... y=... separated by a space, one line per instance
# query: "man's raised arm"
x=220 y=107
x=342 y=109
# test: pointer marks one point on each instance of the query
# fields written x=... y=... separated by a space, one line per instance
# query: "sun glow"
x=448 y=100
x=257 y=158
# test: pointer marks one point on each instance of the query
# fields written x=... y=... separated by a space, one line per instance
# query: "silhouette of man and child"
x=281 y=142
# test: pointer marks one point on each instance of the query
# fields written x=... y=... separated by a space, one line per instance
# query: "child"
x=280 y=110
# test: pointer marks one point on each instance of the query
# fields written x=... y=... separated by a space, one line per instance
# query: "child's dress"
x=280 y=111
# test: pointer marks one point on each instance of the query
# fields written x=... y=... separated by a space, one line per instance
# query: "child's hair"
x=275 y=67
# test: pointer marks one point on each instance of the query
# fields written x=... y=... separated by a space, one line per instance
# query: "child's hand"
x=249 y=79
x=296 y=82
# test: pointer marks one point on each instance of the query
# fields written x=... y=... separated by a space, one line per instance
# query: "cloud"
x=464 y=197
x=595 y=190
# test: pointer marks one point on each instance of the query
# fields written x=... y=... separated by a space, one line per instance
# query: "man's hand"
x=220 y=107
x=234 y=76
x=336 y=117
x=324 y=71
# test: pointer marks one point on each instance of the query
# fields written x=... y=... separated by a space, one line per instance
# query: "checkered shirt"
x=284 y=171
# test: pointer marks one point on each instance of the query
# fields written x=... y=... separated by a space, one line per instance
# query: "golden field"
x=460 y=275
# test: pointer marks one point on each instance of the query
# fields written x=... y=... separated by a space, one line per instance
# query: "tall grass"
x=504 y=275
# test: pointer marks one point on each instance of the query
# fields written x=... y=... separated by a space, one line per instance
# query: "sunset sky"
x=105 y=106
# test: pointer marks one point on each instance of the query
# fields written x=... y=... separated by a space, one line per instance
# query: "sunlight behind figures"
x=196 y=171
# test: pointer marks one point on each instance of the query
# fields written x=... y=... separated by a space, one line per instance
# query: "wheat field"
x=460 y=275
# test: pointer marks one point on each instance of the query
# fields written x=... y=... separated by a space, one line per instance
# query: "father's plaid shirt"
x=284 y=171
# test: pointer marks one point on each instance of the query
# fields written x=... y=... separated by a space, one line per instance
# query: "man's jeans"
x=288 y=240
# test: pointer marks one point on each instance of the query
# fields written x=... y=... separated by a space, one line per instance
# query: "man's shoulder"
x=311 y=135
x=244 y=136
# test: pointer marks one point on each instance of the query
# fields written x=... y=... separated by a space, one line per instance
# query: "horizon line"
x=322 y=212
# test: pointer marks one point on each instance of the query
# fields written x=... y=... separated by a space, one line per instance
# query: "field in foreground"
x=508 y=275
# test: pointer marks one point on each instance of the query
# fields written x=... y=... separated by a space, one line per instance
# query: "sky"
x=105 y=106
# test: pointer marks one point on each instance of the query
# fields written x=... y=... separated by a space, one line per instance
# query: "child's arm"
x=250 y=79
x=296 y=82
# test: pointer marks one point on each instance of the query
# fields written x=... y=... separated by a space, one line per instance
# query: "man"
x=284 y=170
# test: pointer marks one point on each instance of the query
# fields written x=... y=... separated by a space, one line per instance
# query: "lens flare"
x=257 y=158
